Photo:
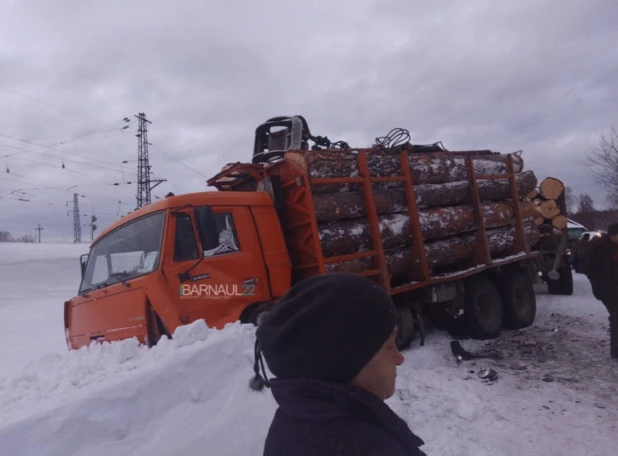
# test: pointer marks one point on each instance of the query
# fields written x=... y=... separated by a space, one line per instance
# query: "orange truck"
x=229 y=255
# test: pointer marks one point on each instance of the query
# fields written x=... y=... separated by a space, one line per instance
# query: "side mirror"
x=83 y=261
x=206 y=227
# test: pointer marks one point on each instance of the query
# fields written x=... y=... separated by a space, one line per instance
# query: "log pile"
x=446 y=212
x=546 y=198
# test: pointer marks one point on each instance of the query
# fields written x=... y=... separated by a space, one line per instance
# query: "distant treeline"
x=5 y=236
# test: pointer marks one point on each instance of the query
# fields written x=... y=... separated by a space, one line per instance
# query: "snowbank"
x=17 y=252
x=35 y=280
x=188 y=396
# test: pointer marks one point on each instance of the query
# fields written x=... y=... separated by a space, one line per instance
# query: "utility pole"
x=39 y=229
x=93 y=227
x=77 y=226
x=144 y=183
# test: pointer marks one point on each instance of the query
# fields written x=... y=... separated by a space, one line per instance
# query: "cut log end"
x=551 y=188
x=532 y=194
x=559 y=222
x=549 y=209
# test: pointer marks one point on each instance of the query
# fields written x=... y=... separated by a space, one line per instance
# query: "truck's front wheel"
x=483 y=311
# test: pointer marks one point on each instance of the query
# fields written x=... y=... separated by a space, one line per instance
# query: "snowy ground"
x=556 y=393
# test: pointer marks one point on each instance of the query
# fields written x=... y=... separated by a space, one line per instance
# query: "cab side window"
x=228 y=239
x=185 y=244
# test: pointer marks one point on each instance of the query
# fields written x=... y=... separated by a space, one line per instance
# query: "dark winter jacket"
x=602 y=270
x=318 y=418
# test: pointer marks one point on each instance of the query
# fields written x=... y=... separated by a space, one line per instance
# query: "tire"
x=155 y=328
x=519 y=301
x=566 y=281
x=405 y=328
x=483 y=309
x=553 y=286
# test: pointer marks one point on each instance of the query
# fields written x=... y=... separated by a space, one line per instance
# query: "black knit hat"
x=326 y=327
x=612 y=229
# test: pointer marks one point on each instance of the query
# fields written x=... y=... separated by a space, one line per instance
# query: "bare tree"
x=586 y=204
x=571 y=200
x=29 y=238
x=5 y=236
x=612 y=201
x=604 y=161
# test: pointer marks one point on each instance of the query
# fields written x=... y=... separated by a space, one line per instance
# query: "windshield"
x=125 y=253
x=575 y=232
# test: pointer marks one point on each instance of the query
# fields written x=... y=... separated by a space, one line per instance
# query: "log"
x=532 y=194
x=559 y=222
x=551 y=188
x=337 y=206
x=435 y=168
x=539 y=220
x=442 y=253
x=549 y=209
x=354 y=235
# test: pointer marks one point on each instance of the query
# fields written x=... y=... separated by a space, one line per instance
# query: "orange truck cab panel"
x=207 y=255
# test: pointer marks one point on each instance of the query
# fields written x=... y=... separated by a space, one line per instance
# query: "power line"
x=183 y=164
x=63 y=160
x=52 y=148
x=67 y=169
x=58 y=107
x=116 y=204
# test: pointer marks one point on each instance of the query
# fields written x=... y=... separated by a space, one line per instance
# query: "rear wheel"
x=483 y=310
x=519 y=301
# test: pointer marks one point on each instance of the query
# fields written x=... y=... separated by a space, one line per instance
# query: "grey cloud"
x=533 y=75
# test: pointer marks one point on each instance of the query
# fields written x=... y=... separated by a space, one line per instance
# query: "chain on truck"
x=447 y=234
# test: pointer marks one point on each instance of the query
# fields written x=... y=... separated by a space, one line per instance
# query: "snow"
x=572 y=224
x=189 y=395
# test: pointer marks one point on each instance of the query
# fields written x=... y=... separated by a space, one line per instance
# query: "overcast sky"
x=537 y=75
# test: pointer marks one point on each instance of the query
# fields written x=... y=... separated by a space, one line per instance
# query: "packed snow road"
x=555 y=393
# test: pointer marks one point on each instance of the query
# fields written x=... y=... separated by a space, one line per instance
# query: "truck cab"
x=210 y=255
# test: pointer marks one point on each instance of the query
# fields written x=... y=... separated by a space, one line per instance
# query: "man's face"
x=378 y=376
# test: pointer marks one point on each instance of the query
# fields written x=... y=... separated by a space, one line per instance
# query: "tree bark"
x=434 y=168
x=337 y=206
x=551 y=188
x=440 y=254
x=354 y=235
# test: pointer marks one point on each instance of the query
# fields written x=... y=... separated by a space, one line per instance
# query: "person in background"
x=330 y=343
x=601 y=268
x=583 y=247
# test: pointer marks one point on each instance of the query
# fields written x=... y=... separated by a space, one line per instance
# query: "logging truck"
x=453 y=236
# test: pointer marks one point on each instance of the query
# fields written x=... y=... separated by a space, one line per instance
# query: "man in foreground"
x=602 y=271
x=330 y=342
